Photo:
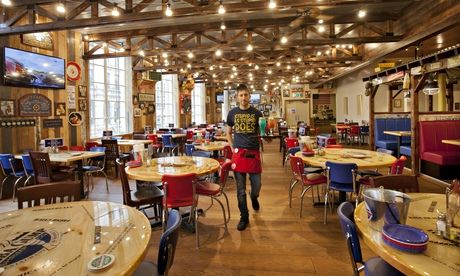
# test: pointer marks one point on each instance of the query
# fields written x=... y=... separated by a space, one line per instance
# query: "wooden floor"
x=277 y=241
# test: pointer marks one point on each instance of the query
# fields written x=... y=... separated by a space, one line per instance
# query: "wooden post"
x=414 y=123
x=390 y=99
x=371 y=117
x=450 y=97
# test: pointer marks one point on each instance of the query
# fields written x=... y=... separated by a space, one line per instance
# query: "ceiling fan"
x=303 y=15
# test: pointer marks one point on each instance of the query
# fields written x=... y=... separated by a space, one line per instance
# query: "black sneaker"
x=242 y=224
x=255 y=203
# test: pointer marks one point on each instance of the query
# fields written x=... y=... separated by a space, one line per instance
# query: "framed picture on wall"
x=82 y=91
x=268 y=107
x=266 y=113
x=7 y=108
x=137 y=112
x=59 y=109
x=82 y=105
x=151 y=109
x=135 y=100
x=397 y=103
x=261 y=107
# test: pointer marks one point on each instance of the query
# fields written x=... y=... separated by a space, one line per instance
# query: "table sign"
x=52 y=123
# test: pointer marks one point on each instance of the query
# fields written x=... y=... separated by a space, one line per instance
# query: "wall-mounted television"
x=255 y=99
x=220 y=97
x=27 y=69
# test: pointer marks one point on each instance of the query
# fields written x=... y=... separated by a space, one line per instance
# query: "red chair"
x=179 y=191
x=227 y=154
x=298 y=167
x=189 y=136
x=63 y=148
x=155 y=144
x=353 y=132
x=77 y=148
x=290 y=143
x=90 y=145
x=215 y=190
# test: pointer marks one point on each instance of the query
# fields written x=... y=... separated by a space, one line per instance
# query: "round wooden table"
x=60 y=239
x=175 y=165
x=369 y=159
x=212 y=146
x=442 y=257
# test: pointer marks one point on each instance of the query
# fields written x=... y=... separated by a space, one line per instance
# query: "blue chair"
x=168 y=143
x=166 y=250
x=10 y=168
x=202 y=153
x=340 y=177
x=189 y=149
x=28 y=168
x=373 y=266
x=99 y=168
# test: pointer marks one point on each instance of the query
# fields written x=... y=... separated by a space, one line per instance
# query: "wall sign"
x=146 y=97
x=52 y=123
x=32 y=105
x=73 y=71
x=71 y=98
x=75 y=119
x=41 y=40
x=17 y=123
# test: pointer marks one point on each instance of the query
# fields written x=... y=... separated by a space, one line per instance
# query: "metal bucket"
x=385 y=207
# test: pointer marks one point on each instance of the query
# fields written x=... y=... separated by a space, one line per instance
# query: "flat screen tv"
x=23 y=68
x=219 y=97
x=255 y=99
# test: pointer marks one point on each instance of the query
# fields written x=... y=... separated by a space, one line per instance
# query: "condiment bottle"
x=441 y=224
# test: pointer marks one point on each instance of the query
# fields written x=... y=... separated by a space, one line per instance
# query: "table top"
x=70 y=156
x=439 y=258
x=452 y=142
x=61 y=238
x=175 y=165
x=397 y=133
x=128 y=142
x=212 y=146
x=362 y=158
x=220 y=137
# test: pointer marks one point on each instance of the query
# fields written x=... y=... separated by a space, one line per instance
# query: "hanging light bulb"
x=249 y=48
x=190 y=55
x=272 y=4
x=221 y=9
x=222 y=26
x=168 y=11
x=218 y=52
x=361 y=13
x=60 y=8
x=6 y=2
x=284 y=40
x=115 y=11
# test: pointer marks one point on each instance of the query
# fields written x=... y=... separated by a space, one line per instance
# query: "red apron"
x=246 y=161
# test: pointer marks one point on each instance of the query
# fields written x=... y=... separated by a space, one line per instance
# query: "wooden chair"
x=140 y=199
x=399 y=182
x=44 y=172
x=49 y=193
x=112 y=154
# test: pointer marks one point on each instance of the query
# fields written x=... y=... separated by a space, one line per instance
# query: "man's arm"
x=229 y=136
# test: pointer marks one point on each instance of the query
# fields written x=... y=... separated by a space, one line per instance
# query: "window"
x=110 y=96
x=198 y=103
x=166 y=92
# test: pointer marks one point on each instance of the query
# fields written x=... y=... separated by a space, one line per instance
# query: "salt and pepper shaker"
x=441 y=224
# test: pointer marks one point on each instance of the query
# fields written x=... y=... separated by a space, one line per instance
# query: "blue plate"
x=405 y=233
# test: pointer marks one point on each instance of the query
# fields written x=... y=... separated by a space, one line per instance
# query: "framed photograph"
x=7 y=108
x=151 y=109
x=82 y=105
x=261 y=107
x=75 y=119
x=397 y=103
x=42 y=40
x=135 y=100
x=82 y=92
x=266 y=113
x=268 y=107
x=60 y=109
x=286 y=93
x=137 y=112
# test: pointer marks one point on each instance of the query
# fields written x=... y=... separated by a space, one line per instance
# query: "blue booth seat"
x=389 y=141
x=405 y=150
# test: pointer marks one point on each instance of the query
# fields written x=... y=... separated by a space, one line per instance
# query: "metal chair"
x=28 y=168
x=189 y=149
x=49 y=193
x=166 y=249
x=140 y=199
x=289 y=143
x=155 y=144
x=299 y=175
x=98 y=168
x=168 y=143
x=373 y=266
x=11 y=168
x=179 y=191
x=215 y=190
x=202 y=153
x=340 y=177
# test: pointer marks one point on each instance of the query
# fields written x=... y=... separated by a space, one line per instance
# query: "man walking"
x=244 y=120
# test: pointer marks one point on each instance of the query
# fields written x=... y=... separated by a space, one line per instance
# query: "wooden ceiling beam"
x=78 y=10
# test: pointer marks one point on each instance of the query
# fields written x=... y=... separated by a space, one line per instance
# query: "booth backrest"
x=396 y=124
x=433 y=132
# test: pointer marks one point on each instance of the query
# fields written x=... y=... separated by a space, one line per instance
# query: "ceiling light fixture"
x=320 y=21
x=221 y=9
x=431 y=87
x=6 y=2
x=218 y=52
x=361 y=13
x=168 y=11
x=190 y=55
x=60 y=8
x=321 y=29
x=278 y=64
x=299 y=59
x=249 y=48
x=142 y=53
x=115 y=11
x=272 y=4
x=164 y=55
x=284 y=40
x=256 y=67
x=222 y=26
